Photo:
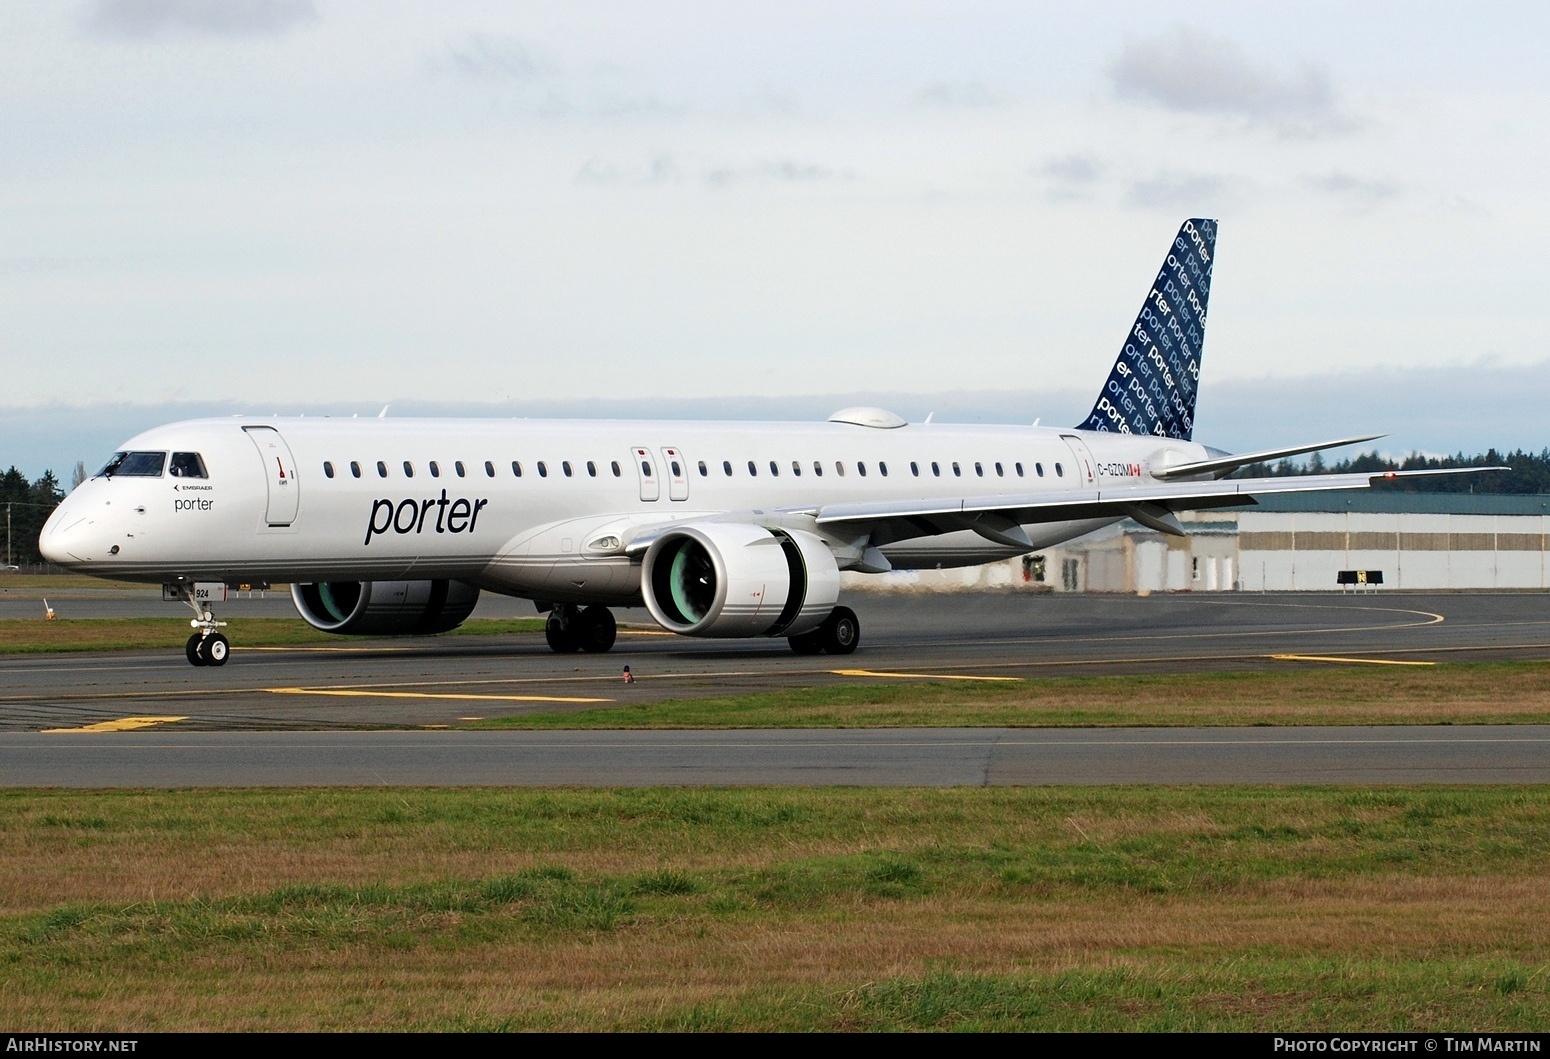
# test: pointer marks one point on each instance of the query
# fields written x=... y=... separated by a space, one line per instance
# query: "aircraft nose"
x=64 y=540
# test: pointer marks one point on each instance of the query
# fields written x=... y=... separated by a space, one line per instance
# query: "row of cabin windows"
x=461 y=469
x=726 y=468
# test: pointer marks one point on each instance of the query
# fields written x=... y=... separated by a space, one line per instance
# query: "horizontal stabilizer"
x=1227 y=464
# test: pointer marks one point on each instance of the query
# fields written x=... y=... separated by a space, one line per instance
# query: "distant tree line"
x=1530 y=471
x=30 y=504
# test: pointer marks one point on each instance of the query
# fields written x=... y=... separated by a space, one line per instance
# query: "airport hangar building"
x=1293 y=542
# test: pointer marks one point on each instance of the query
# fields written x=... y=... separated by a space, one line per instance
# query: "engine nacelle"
x=385 y=607
x=735 y=579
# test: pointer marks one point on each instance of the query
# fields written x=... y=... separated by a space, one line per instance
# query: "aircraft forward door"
x=1084 y=458
x=279 y=475
x=677 y=474
x=645 y=466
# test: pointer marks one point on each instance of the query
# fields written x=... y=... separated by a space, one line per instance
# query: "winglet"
x=1151 y=389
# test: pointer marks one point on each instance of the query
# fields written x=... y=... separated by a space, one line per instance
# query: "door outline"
x=677 y=480
x=1084 y=458
x=283 y=493
x=646 y=469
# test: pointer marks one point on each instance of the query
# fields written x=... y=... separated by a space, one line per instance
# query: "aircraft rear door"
x=645 y=466
x=1084 y=458
x=279 y=475
x=677 y=474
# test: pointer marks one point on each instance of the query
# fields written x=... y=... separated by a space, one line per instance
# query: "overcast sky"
x=309 y=204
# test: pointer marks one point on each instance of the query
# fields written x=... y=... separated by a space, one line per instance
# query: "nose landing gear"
x=206 y=647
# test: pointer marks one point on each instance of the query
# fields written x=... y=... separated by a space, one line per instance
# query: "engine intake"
x=735 y=579
x=414 y=608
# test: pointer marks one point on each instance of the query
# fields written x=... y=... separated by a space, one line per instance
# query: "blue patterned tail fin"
x=1152 y=387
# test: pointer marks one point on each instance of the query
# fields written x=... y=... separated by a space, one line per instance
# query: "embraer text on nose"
x=410 y=516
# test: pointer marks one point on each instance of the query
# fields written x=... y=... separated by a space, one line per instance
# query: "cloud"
x=660 y=170
x=956 y=94
x=1072 y=177
x=223 y=18
x=785 y=172
x=1356 y=193
x=1195 y=193
x=1190 y=72
x=492 y=56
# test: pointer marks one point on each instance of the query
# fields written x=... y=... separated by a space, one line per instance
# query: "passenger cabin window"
x=615 y=466
x=882 y=468
x=839 y=468
x=936 y=469
x=328 y=469
x=592 y=469
x=355 y=468
x=189 y=465
x=381 y=469
x=134 y=465
x=516 y=469
x=462 y=471
x=1038 y=469
x=753 y=472
x=565 y=466
x=774 y=469
x=915 y=468
x=703 y=472
x=999 y=472
x=726 y=467
x=1019 y=468
x=677 y=471
x=1060 y=472
x=796 y=468
x=979 y=470
x=435 y=469
x=489 y=469
x=957 y=470
x=817 y=469
x=408 y=469
x=861 y=468
x=543 y=469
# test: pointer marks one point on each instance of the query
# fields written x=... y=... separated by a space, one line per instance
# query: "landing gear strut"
x=839 y=634
x=206 y=647
x=571 y=629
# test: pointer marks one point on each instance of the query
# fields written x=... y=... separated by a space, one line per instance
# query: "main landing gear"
x=839 y=634
x=206 y=647
x=571 y=628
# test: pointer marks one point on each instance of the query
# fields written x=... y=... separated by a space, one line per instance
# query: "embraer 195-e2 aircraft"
x=721 y=529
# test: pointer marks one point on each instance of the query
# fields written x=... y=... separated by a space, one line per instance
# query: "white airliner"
x=721 y=529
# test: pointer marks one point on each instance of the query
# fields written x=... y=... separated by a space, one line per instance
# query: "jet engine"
x=735 y=579
x=390 y=607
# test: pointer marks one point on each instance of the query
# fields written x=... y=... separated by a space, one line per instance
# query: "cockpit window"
x=189 y=465
x=134 y=465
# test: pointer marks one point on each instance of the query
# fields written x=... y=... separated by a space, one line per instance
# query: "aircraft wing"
x=997 y=516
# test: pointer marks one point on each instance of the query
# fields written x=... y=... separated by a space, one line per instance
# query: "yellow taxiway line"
x=354 y=694
x=123 y=724
x=1351 y=661
x=914 y=676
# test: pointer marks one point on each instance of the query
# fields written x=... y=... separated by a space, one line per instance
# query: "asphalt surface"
x=446 y=680
x=189 y=723
x=933 y=757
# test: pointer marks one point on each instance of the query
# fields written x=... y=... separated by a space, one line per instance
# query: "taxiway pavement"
x=447 y=680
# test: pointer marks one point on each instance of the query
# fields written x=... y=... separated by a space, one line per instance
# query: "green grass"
x=1293 y=694
x=971 y=909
